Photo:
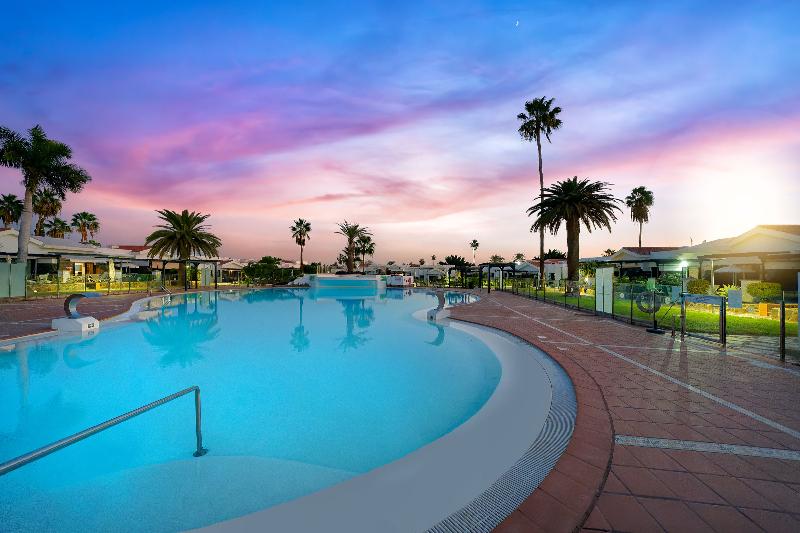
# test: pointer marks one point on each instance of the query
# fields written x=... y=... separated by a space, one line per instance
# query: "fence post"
x=683 y=315
x=565 y=293
x=723 y=321
x=630 y=297
x=783 y=327
x=579 y=296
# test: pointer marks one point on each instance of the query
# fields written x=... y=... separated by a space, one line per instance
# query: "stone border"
x=506 y=494
x=580 y=474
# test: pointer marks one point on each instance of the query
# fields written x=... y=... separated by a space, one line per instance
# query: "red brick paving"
x=600 y=486
x=28 y=317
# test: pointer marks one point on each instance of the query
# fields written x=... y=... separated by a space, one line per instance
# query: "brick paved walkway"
x=724 y=453
x=27 y=317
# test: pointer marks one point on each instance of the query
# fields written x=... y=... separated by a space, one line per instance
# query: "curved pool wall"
x=481 y=470
x=467 y=480
x=298 y=395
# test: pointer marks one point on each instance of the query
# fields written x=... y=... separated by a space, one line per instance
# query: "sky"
x=401 y=116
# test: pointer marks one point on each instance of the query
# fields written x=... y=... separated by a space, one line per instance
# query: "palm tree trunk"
x=640 y=234
x=182 y=273
x=301 y=259
x=573 y=248
x=25 y=227
x=351 y=258
x=541 y=197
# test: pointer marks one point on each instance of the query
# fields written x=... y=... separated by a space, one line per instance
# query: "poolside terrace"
x=669 y=436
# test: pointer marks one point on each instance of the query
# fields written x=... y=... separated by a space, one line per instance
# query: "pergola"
x=489 y=266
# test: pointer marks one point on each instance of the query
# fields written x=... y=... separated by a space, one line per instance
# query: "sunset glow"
x=403 y=117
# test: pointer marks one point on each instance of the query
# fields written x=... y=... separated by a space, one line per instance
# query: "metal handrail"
x=22 y=460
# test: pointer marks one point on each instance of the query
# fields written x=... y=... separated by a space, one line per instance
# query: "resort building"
x=764 y=253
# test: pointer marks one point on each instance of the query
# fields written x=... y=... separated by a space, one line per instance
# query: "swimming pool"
x=301 y=391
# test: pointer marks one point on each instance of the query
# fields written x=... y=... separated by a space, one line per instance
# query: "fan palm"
x=365 y=246
x=497 y=259
x=301 y=230
x=540 y=118
x=85 y=223
x=57 y=228
x=519 y=256
x=352 y=232
x=10 y=209
x=46 y=204
x=474 y=245
x=574 y=202
x=640 y=200
x=182 y=235
x=44 y=164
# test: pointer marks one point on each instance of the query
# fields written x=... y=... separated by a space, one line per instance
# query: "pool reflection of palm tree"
x=300 y=340
x=180 y=334
x=357 y=314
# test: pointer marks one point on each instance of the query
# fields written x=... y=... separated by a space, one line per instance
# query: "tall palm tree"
x=301 y=232
x=57 y=228
x=352 y=232
x=640 y=200
x=573 y=202
x=365 y=246
x=474 y=245
x=46 y=204
x=433 y=259
x=85 y=223
x=44 y=164
x=10 y=209
x=540 y=117
x=182 y=235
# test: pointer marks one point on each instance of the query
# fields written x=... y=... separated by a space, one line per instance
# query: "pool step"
x=178 y=495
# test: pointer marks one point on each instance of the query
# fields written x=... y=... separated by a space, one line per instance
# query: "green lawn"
x=697 y=321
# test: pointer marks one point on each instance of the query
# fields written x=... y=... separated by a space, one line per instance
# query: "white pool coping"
x=417 y=491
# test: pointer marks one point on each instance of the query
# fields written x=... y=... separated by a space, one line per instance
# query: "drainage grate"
x=486 y=511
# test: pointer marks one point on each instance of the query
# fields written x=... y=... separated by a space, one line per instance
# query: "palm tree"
x=540 y=117
x=85 y=223
x=57 y=228
x=474 y=245
x=182 y=235
x=365 y=247
x=608 y=252
x=640 y=200
x=10 y=209
x=46 y=204
x=573 y=202
x=421 y=261
x=352 y=232
x=519 y=256
x=44 y=164
x=301 y=230
x=497 y=259
x=433 y=259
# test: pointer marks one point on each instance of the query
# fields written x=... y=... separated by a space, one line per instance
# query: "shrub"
x=698 y=286
x=723 y=291
x=670 y=278
x=764 y=290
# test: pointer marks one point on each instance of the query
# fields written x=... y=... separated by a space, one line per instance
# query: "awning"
x=735 y=269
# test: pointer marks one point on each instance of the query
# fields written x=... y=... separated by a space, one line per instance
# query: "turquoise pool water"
x=301 y=390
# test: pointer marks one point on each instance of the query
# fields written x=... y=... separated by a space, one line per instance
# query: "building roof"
x=131 y=247
x=647 y=250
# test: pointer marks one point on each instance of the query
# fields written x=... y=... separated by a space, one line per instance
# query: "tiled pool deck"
x=28 y=317
x=669 y=436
